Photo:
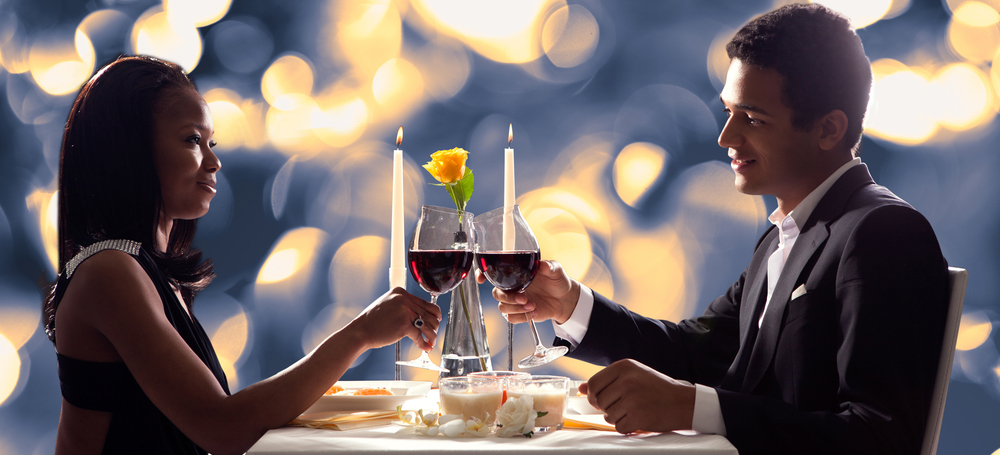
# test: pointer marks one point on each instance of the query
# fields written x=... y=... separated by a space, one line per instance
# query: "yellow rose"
x=447 y=166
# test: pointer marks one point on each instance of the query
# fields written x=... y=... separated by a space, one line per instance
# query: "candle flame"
x=510 y=134
x=399 y=137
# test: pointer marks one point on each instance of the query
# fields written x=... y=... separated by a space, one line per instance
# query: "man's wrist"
x=568 y=302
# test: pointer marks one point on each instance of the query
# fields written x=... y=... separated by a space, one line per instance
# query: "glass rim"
x=542 y=378
x=499 y=211
x=502 y=374
x=466 y=380
x=438 y=208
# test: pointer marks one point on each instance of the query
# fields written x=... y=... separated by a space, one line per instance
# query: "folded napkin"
x=587 y=422
x=345 y=421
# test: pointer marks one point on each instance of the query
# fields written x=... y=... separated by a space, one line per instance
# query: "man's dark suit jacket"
x=847 y=368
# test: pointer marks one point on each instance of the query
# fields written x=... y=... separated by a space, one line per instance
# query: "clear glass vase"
x=465 y=349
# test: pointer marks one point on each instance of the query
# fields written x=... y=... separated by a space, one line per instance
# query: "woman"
x=137 y=371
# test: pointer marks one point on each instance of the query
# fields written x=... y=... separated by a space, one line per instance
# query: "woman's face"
x=185 y=163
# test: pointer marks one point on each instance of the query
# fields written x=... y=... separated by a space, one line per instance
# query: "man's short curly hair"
x=820 y=58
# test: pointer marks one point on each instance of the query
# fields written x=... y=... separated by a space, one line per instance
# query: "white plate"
x=402 y=391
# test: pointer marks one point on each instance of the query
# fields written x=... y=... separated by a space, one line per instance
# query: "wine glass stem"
x=534 y=334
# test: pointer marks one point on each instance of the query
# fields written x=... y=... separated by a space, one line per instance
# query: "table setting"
x=471 y=407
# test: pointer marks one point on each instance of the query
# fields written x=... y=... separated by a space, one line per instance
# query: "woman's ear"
x=832 y=128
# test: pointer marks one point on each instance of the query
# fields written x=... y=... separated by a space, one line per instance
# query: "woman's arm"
x=123 y=304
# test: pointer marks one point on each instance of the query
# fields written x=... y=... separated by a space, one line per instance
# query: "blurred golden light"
x=973 y=33
x=570 y=36
x=577 y=370
x=397 y=85
x=507 y=32
x=358 y=267
x=18 y=323
x=368 y=175
x=445 y=67
x=279 y=265
x=995 y=77
x=976 y=14
x=342 y=121
x=561 y=237
x=59 y=66
x=10 y=368
x=599 y=278
x=973 y=330
x=255 y=112
x=292 y=255
x=289 y=127
x=954 y=4
x=965 y=96
x=331 y=319
x=45 y=206
x=368 y=33
x=231 y=125
x=718 y=59
x=898 y=7
x=652 y=272
x=496 y=330
x=898 y=110
x=13 y=49
x=711 y=188
x=154 y=34
x=229 y=340
x=198 y=12
x=636 y=168
x=567 y=198
x=286 y=81
x=861 y=13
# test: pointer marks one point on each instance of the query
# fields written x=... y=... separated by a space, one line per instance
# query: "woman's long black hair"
x=108 y=185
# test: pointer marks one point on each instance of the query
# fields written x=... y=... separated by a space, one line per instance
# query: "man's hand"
x=551 y=295
x=635 y=397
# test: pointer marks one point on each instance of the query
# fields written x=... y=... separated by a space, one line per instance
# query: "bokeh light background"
x=615 y=113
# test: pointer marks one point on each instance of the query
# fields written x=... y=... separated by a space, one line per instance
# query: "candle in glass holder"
x=471 y=397
x=548 y=395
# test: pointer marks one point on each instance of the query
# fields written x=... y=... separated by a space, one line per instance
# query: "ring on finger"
x=419 y=322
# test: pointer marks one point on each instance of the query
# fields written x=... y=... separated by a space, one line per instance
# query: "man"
x=829 y=340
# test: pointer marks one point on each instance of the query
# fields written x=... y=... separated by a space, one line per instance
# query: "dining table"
x=391 y=437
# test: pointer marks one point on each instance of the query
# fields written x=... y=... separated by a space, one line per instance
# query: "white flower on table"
x=450 y=425
x=517 y=417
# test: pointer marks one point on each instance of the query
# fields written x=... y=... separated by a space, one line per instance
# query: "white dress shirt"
x=707 y=413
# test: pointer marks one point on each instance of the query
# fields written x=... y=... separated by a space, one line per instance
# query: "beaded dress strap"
x=128 y=246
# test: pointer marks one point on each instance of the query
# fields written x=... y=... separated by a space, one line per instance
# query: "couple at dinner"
x=828 y=342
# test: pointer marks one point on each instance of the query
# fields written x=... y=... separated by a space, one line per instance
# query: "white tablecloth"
x=385 y=440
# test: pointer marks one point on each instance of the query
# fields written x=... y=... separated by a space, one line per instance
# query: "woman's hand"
x=390 y=318
x=551 y=295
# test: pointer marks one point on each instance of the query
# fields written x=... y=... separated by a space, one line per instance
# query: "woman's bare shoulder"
x=108 y=285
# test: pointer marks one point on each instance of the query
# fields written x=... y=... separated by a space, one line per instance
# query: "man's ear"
x=832 y=128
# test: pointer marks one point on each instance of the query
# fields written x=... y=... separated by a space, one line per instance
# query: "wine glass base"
x=427 y=365
x=542 y=357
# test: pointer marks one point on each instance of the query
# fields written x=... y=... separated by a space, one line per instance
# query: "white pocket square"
x=799 y=291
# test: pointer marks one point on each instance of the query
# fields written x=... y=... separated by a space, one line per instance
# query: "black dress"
x=137 y=426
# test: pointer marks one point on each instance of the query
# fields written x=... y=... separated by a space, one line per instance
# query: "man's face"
x=768 y=154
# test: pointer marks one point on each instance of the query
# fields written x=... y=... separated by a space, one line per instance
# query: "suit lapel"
x=811 y=239
x=752 y=300
x=806 y=245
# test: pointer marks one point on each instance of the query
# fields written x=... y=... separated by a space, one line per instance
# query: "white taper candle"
x=508 y=192
x=397 y=252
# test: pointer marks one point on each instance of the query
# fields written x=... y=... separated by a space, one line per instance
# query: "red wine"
x=439 y=271
x=510 y=271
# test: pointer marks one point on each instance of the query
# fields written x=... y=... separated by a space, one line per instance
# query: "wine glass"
x=507 y=255
x=440 y=257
